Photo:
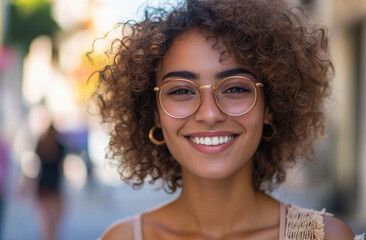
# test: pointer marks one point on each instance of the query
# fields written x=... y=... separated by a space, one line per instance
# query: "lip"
x=212 y=149
x=211 y=134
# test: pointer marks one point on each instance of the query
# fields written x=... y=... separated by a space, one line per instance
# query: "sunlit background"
x=43 y=78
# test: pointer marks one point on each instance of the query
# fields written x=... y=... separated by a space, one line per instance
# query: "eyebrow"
x=181 y=74
x=233 y=72
x=193 y=76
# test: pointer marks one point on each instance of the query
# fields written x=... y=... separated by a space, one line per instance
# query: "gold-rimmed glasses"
x=235 y=96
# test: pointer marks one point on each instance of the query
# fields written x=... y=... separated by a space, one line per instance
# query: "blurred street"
x=88 y=211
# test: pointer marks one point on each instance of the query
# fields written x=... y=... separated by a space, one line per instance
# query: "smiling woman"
x=217 y=98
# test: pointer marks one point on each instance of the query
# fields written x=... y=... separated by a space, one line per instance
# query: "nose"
x=208 y=111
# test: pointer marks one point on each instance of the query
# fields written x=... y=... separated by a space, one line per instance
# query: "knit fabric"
x=307 y=224
x=304 y=224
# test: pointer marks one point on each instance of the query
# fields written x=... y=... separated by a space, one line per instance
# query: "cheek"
x=171 y=141
x=174 y=141
x=254 y=125
x=169 y=126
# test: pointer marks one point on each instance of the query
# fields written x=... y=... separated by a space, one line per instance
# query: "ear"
x=268 y=116
x=157 y=118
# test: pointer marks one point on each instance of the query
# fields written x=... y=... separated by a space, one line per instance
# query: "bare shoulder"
x=119 y=230
x=335 y=229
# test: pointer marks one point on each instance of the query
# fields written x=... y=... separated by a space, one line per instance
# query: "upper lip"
x=211 y=134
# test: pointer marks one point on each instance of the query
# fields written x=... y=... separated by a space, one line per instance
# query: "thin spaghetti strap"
x=137 y=227
x=282 y=221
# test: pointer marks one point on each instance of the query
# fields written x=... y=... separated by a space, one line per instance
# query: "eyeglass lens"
x=234 y=96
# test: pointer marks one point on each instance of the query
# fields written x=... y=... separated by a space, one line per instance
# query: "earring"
x=268 y=132
x=152 y=138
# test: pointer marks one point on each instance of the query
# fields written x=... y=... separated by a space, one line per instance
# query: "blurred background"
x=54 y=179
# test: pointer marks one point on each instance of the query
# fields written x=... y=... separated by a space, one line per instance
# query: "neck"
x=218 y=207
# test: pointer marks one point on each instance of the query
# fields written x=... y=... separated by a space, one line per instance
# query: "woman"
x=217 y=97
x=50 y=202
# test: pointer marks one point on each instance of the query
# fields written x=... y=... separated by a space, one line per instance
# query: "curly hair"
x=287 y=54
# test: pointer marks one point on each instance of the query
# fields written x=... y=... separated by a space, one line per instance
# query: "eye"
x=237 y=89
x=180 y=91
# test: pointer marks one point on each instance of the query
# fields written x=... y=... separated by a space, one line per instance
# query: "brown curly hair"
x=288 y=55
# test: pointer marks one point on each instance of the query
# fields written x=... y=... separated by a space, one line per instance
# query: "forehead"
x=197 y=52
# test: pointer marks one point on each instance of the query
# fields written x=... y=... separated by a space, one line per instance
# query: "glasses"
x=235 y=96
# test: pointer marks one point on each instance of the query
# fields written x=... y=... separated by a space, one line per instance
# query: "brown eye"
x=181 y=91
x=236 y=90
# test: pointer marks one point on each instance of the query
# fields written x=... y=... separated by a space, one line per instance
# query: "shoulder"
x=302 y=222
x=120 y=230
x=336 y=229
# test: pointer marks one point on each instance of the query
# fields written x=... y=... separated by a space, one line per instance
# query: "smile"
x=211 y=141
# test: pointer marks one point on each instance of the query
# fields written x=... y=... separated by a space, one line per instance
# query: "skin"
x=218 y=200
x=194 y=54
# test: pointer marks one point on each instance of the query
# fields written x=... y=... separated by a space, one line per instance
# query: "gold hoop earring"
x=268 y=132
x=152 y=138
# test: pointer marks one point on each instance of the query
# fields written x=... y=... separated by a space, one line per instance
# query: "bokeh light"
x=30 y=164
x=37 y=70
x=75 y=170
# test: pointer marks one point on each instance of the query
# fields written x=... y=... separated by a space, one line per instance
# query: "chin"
x=218 y=172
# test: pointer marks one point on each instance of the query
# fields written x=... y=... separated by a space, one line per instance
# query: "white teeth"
x=211 y=140
x=215 y=141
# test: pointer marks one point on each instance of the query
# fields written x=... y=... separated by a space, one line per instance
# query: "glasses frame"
x=256 y=85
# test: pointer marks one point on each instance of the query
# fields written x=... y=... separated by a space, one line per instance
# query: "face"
x=193 y=57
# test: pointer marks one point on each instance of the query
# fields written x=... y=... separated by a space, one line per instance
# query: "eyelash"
x=175 y=91
x=241 y=89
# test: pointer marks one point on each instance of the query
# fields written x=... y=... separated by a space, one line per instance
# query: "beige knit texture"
x=307 y=224
x=304 y=224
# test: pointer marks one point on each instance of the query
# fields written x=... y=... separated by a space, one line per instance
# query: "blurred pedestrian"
x=50 y=205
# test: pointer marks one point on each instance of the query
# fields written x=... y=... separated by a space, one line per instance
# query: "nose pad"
x=208 y=110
